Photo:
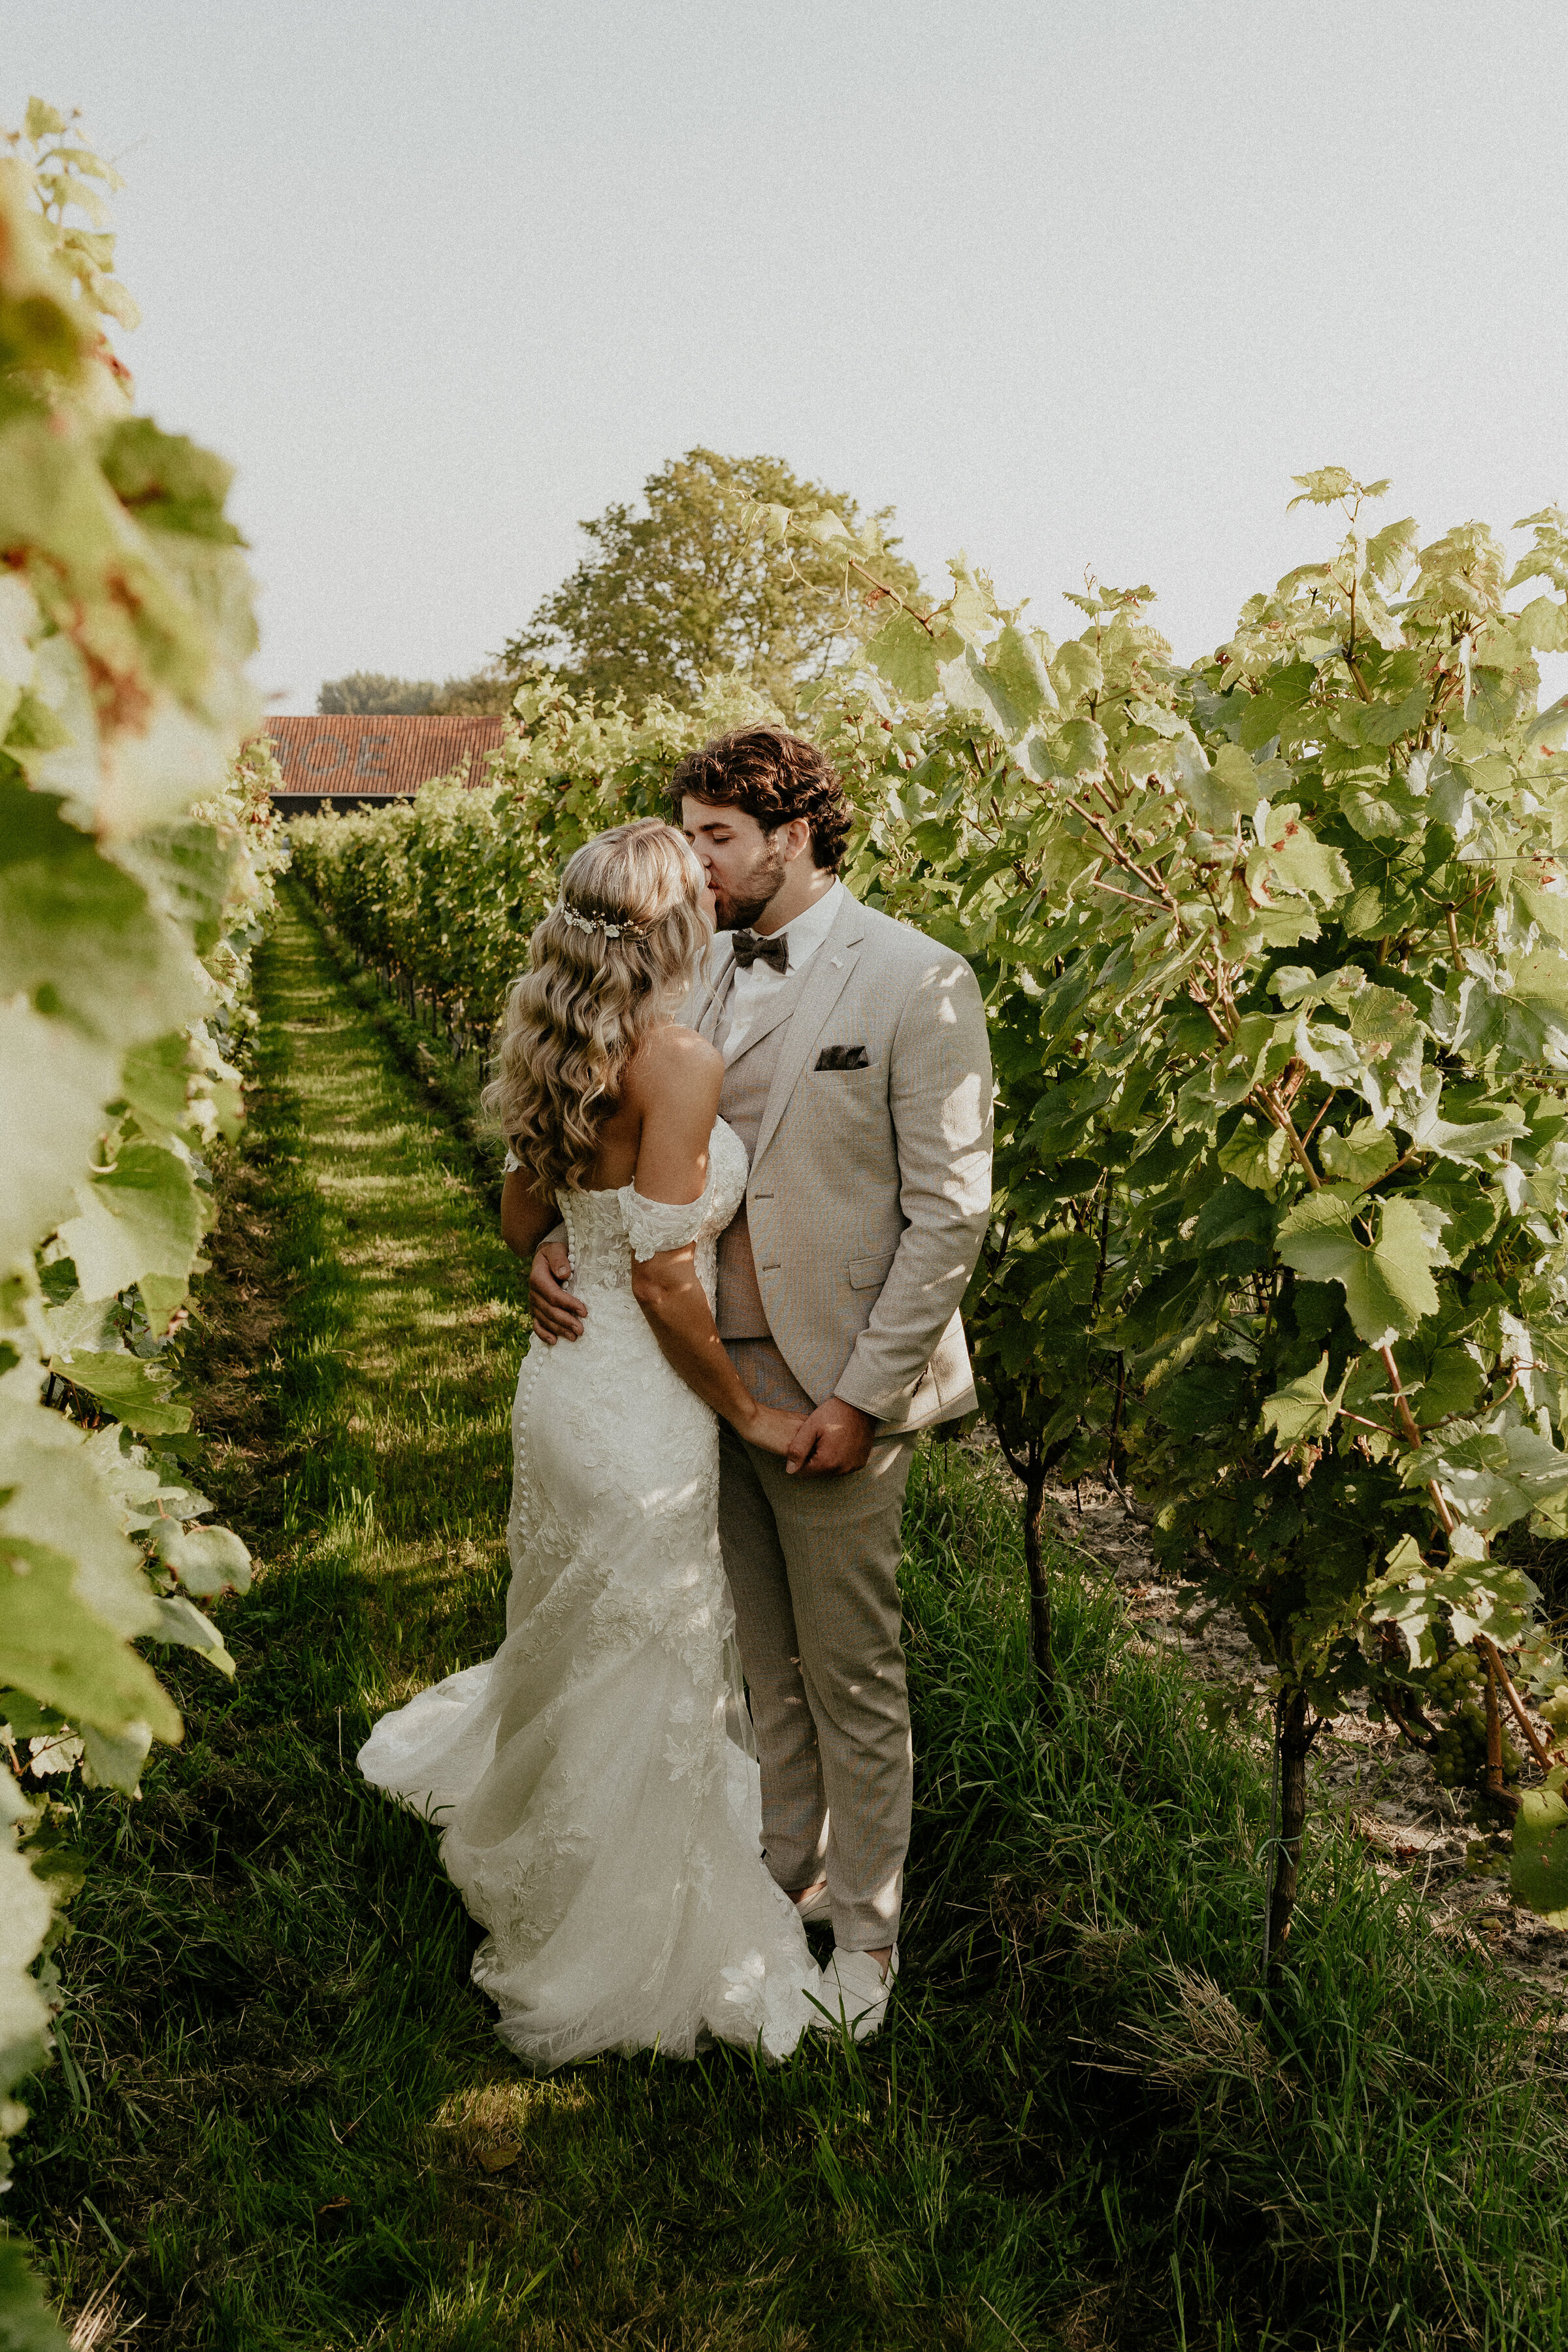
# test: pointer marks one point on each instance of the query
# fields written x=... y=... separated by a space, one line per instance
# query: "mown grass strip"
x=1080 y=2129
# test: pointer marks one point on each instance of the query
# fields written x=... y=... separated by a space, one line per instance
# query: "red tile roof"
x=350 y=754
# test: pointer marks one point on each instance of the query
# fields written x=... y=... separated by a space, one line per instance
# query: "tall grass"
x=1376 y=2156
x=1080 y=2127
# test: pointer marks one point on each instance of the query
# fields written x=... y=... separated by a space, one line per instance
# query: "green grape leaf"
x=162 y=1295
x=155 y=1081
x=970 y=684
x=1467 y=1596
x=1280 y=693
x=1078 y=748
x=26 y=1719
x=1254 y=1158
x=1383 y=723
x=1359 y=1158
x=77 y=934
x=1302 y=863
x=77 y=1322
x=52 y=1645
x=167 y=482
x=1391 y=552
x=1453 y=1384
x=822 y=526
x=20 y=623
x=26 y=2322
x=207 y=1560
x=1325 y=485
x=187 y=870
x=145 y=1216
x=1385 y=811
x=1494 y=1476
x=1328 y=1051
x=53 y=1082
x=31 y=726
x=1387 y=1033
x=1078 y=670
x=1218 y=794
x=1388 y=1283
x=180 y=1622
x=1061 y=1271
x=1538 y=1867
x=136 y=1488
x=1201 y=1398
x=905 y=654
x=1015 y=663
x=53 y=1492
x=114 y=1760
x=1535 y=1027
x=1236 y=1213
x=1547 y=908
x=135 y=1389
x=1301 y=1410
x=1461 y=1141
x=1543 y=626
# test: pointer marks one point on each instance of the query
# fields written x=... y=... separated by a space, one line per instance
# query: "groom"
x=858 y=1077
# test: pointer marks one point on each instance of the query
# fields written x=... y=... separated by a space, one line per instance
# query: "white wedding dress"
x=595 y=1815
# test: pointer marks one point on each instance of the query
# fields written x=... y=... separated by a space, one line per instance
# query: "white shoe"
x=855 y=1993
x=816 y=1910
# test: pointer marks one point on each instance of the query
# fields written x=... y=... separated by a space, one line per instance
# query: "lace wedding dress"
x=596 y=1818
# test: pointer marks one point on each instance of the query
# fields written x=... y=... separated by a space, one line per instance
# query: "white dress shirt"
x=752 y=987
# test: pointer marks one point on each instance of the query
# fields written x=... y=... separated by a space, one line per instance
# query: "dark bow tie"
x=752 y=948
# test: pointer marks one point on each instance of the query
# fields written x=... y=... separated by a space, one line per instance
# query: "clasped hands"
x=833 y=1441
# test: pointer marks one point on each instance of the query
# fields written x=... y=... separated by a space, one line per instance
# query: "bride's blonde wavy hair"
x=610 y=962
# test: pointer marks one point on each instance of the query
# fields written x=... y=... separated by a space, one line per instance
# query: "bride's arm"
x=525 y=1219
x=675 y=1083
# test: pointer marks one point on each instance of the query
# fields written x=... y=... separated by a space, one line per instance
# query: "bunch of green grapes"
x=1458 y=1753
x=1449 y=1683
x=1556 y=1708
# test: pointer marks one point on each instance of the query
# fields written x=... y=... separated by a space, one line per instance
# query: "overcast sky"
x=1069 y=285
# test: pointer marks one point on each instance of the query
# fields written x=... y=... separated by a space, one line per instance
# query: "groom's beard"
x=737 y=905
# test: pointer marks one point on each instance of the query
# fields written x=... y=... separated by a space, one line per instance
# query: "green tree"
x=373 y=694
x=485 y=692
x=691 y=587
x=370 y=693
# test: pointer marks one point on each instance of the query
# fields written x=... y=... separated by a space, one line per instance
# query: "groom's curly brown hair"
x=774 y=777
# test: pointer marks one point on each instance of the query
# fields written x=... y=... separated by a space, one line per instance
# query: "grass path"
x=293 y=2128
x=305 y=2093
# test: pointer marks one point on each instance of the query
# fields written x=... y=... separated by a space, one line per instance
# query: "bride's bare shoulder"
x=672 y=1060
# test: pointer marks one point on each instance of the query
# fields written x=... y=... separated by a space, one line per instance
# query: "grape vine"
x=1276 y=952
x=137 y=847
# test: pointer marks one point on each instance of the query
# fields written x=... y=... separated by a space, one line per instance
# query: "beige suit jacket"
x=871 y=1187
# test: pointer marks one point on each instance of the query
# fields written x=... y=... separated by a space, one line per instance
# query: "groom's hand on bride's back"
x=556 y=1314
x=834 y=1440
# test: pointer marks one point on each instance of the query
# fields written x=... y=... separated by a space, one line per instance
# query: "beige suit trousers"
x=813 y=1565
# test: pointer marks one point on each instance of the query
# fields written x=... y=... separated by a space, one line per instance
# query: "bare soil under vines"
x=1362 y=1775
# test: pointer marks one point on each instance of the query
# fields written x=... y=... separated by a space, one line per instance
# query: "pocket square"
x=843 y=1058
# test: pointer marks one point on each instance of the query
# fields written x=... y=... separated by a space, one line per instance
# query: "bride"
x=596 y=1816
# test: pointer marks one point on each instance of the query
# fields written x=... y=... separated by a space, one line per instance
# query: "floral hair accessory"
x=602 y=924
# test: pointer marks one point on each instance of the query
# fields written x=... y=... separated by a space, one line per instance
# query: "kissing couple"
x=749 y=1130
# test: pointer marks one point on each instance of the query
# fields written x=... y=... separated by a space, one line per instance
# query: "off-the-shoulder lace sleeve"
x=511 y=1161
x=655 y=1225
